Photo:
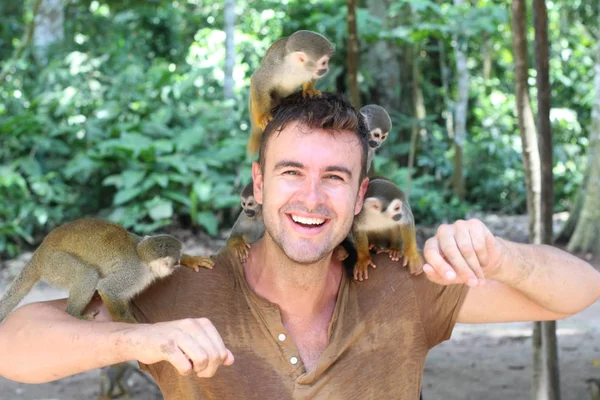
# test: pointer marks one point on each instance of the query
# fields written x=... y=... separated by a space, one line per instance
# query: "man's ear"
x=360 y=198
x=257 y=179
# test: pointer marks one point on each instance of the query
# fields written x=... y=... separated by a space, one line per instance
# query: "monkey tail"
x=254 y=141
x=352 y=256
x=19 y=289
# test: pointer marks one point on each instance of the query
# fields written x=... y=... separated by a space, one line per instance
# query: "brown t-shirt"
x=379 y=335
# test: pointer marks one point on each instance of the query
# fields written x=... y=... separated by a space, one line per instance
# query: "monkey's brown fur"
x=385 y=223
x=93 y=254
x=299 y=59
x=249 y=227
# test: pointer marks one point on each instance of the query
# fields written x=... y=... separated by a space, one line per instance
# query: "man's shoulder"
x=185 y=292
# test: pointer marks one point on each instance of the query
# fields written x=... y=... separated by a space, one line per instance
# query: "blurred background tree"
x=136 y=111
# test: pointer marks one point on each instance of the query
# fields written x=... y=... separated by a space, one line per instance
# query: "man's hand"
x=188 y=344
x=463 y=252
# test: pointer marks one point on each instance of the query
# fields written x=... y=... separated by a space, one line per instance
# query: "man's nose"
x=313 y=193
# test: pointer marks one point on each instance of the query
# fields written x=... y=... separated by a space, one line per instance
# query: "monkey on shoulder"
x=89 y=255
x=249 y=226
x=299 y=59
x=385 y=223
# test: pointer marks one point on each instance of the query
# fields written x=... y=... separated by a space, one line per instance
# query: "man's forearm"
x=41 y=343
x=552 y=278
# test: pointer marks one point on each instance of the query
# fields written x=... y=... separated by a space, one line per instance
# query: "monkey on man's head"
x=299 y=59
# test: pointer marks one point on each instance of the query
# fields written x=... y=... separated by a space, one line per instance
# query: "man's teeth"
x=308 y=221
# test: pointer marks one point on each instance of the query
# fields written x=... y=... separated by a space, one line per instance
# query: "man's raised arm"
x=40 y=342
x=509 y=281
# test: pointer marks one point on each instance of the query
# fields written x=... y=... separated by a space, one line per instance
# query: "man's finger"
x=216 y=348
x=181 y=363
x=433 y=256
x=450 y=251
x=464 y=240
x=433 y=276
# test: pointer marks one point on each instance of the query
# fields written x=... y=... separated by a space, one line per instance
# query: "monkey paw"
x=195 y=262
x=311 y=93
x=395 y=254
x=264 y=121
x=239 y=247
x=361 y=269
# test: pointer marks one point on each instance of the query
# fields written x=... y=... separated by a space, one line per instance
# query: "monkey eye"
x=376 y=135
x=397 y=208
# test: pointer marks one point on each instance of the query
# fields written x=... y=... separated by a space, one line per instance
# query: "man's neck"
x=302 y=291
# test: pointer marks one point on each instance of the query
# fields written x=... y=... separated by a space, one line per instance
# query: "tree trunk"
x=383 y=63
x=548 y=384
x=229 y=21
x=444 y=73
x=462 y=99
x=48 y=28
x=352 y=55
x=531 y=156
x=542 y=47
x=586 y=237
x=418 y=117
x=567 y=231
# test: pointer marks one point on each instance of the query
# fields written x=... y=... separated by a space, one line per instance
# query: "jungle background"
x=136 y=111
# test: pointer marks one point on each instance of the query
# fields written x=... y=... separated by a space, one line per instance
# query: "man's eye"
x=335 y=177
x=290 y=172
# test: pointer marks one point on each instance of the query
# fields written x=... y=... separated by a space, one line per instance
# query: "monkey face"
x=308 y=190
x=250 y=207
x=318 y=68
x=376 y=137
x=376 y=216
x=163 y=251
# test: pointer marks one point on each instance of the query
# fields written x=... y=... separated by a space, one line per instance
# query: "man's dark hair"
x=329 y=112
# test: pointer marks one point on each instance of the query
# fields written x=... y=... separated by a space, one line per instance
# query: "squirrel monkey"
x=91 y=254
x=385 y=223
x=249 y=226
x=379 y=124
x=299 y=59
x=117 y=375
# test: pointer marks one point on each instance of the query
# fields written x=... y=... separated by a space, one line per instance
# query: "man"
x=290 y=323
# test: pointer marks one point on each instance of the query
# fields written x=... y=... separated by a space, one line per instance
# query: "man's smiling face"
x=309 y=190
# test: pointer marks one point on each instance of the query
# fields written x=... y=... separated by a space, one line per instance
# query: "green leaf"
x=208 y=221
x=124 y=195
x=132 y=178
x=202 y=190
x=161 y=209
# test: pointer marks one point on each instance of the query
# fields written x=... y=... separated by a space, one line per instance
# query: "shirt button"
x=281 y=337
x=294 y=360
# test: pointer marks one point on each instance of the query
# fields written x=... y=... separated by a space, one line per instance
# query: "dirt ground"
x=491 y=361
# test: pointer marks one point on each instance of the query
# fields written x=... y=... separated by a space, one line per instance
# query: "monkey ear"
x=373 y=204
x=300 y=56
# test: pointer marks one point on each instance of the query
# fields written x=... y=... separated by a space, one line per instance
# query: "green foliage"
x=123 y=134
x=127 y=120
